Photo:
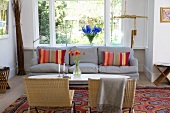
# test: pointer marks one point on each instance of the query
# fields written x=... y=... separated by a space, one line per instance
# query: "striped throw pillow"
x=51 y=56
x=116 y=59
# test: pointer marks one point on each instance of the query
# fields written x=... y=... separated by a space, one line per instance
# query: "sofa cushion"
x=51 y=56
x=115 y=59
x=47 y=68
x=118 y=69
x=86 y=68
x=113 y=49
x=89 y=57
x=66 y=58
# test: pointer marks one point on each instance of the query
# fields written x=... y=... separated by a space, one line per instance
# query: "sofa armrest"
x=34 y=62
x=133 y=62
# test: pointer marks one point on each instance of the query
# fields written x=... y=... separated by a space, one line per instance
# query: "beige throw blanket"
x=111 y=95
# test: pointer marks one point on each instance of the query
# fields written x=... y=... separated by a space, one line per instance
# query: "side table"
x=164 y=74
x=4 y=73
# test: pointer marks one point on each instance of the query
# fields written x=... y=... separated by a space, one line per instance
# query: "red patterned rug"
x=147 y=100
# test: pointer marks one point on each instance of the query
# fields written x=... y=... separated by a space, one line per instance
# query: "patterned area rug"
x=147 y=100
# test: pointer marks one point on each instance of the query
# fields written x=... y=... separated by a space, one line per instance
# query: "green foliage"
x=2 y=31
x=43 y=11
x=60 y=8
x=70 y=16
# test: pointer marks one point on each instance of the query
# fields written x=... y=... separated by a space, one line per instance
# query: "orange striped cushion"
x=51 y=56
x=116 y=59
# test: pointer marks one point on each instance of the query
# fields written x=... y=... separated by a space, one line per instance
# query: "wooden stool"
x=164 y=74
x=4 y=73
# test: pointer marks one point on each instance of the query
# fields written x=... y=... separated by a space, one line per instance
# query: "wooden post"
x=20 y=51
x=133 y=34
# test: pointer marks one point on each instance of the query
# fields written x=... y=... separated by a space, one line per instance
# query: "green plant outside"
x=65 y=34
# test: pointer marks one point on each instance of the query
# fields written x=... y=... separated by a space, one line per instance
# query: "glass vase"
x=90 y=38
x=77 y=71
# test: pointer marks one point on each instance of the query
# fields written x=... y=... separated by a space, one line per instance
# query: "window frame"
x=6 y=36
x=107 y=32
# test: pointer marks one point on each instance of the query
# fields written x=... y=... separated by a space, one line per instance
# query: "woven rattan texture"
x=128 y=96
x=4 y=80
x=48 y=92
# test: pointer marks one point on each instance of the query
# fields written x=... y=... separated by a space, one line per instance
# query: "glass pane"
x=43 y=14
x=70 y=16
x=115 y=25
x=4 y=9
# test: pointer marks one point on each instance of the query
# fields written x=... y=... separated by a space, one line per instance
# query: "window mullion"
x=36 y=21
x=52 y=22
x=107 y=23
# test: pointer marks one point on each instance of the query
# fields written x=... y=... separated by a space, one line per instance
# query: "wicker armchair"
x=128 y=96
x=48 y=92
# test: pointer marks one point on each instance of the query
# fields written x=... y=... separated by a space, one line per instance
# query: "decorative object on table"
x=91 y=33
x=133 y=32
x=16 y=4
x=67 y=76
x=165 y=14
x=4 y=73
x=63 y=69
x=59 y=70
x=76 y=54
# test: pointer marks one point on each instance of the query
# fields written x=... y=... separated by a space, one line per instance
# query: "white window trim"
x=107 y=23
x=6 y=36
x=52 y=25
x=52 y=22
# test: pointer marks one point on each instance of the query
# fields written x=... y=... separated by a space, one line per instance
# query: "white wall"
x=7 y=49
x=161 y=34
x=161 y=47
x=149 y=51
x=27 y=23
x=158 y=50
x=139 y=8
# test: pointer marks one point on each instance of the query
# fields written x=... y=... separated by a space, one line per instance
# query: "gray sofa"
x=91 y=62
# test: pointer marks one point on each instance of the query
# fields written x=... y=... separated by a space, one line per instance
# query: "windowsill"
x=4 y=37
x=30 y=48
x=140 y=47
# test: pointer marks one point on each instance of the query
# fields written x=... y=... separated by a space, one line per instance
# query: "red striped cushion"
x=51 y=56
x=116 y=59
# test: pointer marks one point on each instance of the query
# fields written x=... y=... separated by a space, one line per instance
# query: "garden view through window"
x=70 y=16
x=4 y=17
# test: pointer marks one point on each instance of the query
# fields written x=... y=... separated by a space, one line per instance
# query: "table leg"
x=162 y=76
x=8 y=87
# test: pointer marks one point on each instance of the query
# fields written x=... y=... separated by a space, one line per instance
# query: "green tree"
x=60 y=9
x=43 y=13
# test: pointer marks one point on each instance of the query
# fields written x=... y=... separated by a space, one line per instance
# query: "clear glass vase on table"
x=76 y=56
x=76 y=71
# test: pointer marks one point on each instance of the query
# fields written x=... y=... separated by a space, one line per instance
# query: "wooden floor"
x=17 y=89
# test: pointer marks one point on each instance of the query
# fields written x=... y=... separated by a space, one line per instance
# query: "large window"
x=4 y=9
x=61 y=21
x=70 y=16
